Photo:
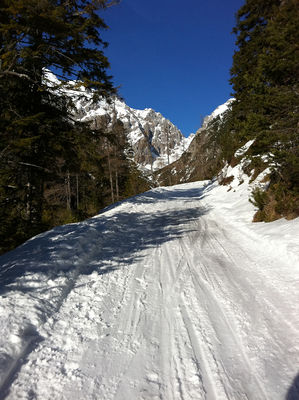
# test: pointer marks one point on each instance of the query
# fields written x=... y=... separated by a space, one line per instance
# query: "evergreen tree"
x=39 y=139
x=265 y=75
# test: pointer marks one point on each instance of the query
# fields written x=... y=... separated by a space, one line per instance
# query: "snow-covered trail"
x=164 y=296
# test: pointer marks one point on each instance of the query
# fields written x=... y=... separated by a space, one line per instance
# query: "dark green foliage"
x=259 y=198
x=135 y=182
x=265 y=80
x=53 y=169
x=222 y=138
x=37 y=34
x=265 y=73
x=264 y=76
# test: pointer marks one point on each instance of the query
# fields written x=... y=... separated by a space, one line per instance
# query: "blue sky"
x=172 y=56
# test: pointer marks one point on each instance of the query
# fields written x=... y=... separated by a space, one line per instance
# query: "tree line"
x=264 y=77
x=54 y=168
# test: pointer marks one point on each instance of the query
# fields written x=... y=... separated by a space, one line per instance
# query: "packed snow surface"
x=172 y=294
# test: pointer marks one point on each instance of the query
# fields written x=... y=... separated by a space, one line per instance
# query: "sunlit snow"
x=172 y=294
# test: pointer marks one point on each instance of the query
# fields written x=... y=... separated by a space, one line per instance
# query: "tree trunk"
x=28 y=201
x=116 y=186
x=110 y=179
x=168 y=144
x=77 y=187
x=68 y=190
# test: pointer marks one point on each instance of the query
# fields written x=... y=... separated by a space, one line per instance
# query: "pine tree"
x=265 y=76
x=39 y=139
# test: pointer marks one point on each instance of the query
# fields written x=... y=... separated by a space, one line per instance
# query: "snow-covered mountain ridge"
x=199 y=162
x=155 y=140
x=218 y=112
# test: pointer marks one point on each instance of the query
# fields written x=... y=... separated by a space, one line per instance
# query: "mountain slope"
x=202 y=159
x=155 y=140
x=172 y=294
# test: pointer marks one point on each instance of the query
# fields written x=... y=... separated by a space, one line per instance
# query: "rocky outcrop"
x=158 y=145
x=156 y=142
x=201 y=160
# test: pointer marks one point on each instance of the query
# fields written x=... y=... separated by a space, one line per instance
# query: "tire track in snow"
x=248 y=289
x=167 y=302
x=210 y=304
x=181 y=372
x=210 y=387
x=132 y=327
x=247 y=263
x=171 y=325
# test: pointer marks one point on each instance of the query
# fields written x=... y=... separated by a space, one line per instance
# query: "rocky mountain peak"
x=219 y=111
x=155 y=140
x=200 y=160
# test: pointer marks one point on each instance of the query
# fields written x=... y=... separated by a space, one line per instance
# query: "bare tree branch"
x=3 y=74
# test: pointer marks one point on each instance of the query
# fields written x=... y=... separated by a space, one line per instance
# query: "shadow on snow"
x=103 y=243
x=293 y=392
x=45 y=269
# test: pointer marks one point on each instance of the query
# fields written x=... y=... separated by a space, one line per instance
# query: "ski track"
x=157 y=298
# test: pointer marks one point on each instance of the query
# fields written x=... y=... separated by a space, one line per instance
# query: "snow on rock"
x=155 y=140
x=218 y=112
x=242 y=150
x=238 y=175
x=172 y=294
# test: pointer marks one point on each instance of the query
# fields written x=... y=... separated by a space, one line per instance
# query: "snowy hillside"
x=172 y=294
x=201 y=159
x=217 y=112
x=152 y=136
x=155 y=140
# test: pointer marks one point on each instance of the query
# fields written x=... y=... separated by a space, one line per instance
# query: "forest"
x=264 y=78
x=56 y=169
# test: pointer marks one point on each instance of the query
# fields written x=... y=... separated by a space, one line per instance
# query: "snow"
x=221 y=109
x=174 y=154
x=242 y=150
x=136 y=121
x=218 y=112
x=172 y=294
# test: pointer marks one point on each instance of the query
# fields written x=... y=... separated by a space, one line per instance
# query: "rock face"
x=218 y=112
x=155 y=141
x=201 y=160
x=158 y=145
